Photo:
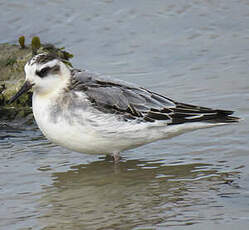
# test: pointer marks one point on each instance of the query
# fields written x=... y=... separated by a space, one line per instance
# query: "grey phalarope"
x=93 y=114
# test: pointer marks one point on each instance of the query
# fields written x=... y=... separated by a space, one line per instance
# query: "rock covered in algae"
x=12 y=60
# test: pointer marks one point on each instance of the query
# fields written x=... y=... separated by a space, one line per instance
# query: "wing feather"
x=135 y=103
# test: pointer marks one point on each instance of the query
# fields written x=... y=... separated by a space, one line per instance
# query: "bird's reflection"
x=101 y=195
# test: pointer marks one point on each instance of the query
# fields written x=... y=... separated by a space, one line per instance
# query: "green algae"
x=21 y=41
x=35 y=45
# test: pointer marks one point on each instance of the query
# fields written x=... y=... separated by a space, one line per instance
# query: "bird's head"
x=45 y=73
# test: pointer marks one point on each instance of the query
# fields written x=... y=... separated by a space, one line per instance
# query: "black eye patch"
x=44 y=72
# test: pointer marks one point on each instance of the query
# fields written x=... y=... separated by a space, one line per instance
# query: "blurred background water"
x=193 y=51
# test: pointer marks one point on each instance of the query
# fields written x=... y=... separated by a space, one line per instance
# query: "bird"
x=94 y=114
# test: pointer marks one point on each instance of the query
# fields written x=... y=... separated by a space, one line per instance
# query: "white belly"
x=103 y=135
x=69 y=133
x=84 y=131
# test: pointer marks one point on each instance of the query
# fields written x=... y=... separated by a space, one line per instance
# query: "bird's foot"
x=116 y=157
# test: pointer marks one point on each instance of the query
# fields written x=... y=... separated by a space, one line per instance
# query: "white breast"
x=68 y=134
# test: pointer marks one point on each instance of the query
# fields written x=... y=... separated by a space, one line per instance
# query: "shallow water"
x=193 y=51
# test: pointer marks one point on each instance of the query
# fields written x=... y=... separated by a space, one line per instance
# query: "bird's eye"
x=43 y=72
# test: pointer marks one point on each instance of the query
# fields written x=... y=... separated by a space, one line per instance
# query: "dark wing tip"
x=224 y=116
x=224 y=112
x=184 y=113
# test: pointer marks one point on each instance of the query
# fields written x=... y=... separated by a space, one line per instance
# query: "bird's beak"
x=26 y=87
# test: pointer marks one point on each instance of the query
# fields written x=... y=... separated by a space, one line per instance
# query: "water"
x=193 y=51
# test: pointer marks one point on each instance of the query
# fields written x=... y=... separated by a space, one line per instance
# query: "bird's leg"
x=116 y=157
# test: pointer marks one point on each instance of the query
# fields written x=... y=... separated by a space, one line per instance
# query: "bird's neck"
x=55 y=91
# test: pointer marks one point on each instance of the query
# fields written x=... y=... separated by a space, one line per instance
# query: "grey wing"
x=131 y=102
